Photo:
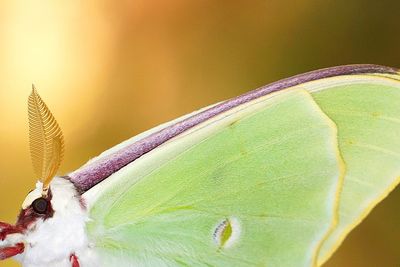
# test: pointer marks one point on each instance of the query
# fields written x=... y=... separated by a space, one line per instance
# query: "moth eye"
x=40 y=205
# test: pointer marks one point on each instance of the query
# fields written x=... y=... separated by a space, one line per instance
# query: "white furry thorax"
x=51 y=242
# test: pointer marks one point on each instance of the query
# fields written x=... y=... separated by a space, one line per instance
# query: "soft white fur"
x=51 y=242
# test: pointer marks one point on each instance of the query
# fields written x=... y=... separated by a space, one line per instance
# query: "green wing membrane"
x=254 y=186
x=368 y=119
x=278 y=181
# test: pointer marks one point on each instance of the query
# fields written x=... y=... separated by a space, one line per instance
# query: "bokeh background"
x=111 y=69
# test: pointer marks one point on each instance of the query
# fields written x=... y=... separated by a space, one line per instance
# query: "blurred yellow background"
x=111 y=69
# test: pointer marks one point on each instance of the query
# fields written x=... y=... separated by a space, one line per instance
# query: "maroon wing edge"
x=93 y=173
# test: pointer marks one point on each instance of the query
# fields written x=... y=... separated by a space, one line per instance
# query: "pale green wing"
x=366 y=110
x=254 y=186
x=364 y=107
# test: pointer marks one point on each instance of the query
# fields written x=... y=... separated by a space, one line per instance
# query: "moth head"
x=46 y=221
x=52 y=198
x=35 y=208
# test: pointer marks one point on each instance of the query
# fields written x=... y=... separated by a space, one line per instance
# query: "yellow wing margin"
x=45 y=139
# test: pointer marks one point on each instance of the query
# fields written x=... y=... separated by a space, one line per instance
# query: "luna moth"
x=275 y=177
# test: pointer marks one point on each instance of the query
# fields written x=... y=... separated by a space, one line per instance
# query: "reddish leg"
x=4 y=225
x=9 y=252
x=74 y=260
x=7 y=229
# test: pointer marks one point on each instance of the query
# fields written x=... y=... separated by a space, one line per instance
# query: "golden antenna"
x=45 y=138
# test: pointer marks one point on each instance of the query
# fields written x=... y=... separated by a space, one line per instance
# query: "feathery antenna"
x=45 y=138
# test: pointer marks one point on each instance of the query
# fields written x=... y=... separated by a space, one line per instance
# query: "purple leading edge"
x=95 y=172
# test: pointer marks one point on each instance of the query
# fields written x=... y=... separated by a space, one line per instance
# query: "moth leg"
x=8 y=229
x=74 y=260
x=9 y=252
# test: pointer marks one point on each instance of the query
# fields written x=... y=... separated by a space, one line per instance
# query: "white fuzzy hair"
x=52 y=241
